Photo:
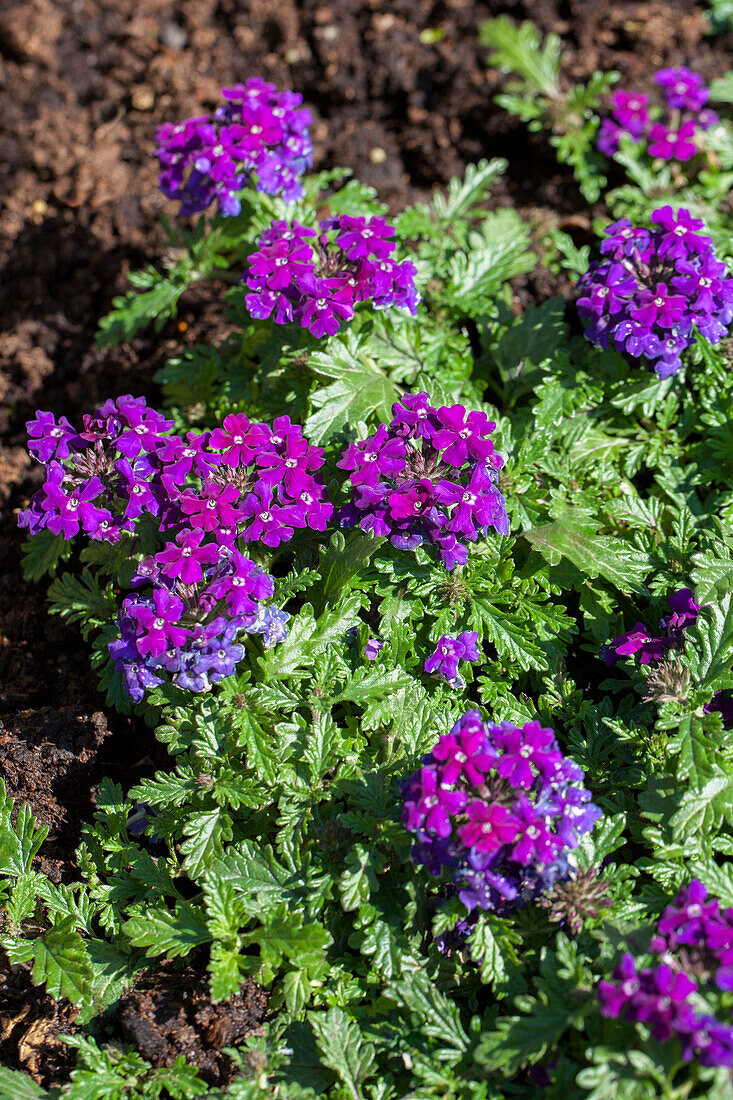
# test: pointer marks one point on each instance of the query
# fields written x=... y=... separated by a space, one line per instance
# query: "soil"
x=169 y=1014
x=402 y=95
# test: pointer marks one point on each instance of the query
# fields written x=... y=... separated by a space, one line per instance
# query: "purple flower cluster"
x=258 y=132
x=498 y=809
x=694 y=941
x=653 y=649
x=670 y=134
x=655 y=288
x=208 y=494
x=199 y=596
x=244 y=480
x=316 y=278
x=429 y=476
x=443 y=663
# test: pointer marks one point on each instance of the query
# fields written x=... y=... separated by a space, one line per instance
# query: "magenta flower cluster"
x=244 y=480
x=208 y=494
x=497 y=810
x=430 y=476
x=671 y=133
x=316 y=278
x=258 y=133
x=443 y=663
x=694 y=942
x=655 y=289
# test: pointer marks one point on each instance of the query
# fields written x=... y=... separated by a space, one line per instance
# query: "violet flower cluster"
x=694 y=943
x=258 y=133
x=199 y=596
x=430 y=476
x=208 y=494
x=655 y=288
x=656 y=649
x=497 y=810
x=443 y=663
x=316 y=278
x=672 y=133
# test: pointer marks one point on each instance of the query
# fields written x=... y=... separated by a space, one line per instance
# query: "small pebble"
x=173 y=36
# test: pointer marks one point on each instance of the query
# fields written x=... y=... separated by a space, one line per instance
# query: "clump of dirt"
x=170 y=1013
x=31 y=1024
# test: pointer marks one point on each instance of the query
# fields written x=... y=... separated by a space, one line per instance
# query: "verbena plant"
x=431 y=602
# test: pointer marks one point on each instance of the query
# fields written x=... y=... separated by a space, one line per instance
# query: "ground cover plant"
x=428 y=600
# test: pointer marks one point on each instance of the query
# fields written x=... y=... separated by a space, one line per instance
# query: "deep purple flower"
x=157 y=624
x=186 y=558
x=683 y=89
x=49 y=439
x=443 y=663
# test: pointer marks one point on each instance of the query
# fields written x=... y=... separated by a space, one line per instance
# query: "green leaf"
x=517 y=49
x=81 y=600
x=496 y=252
x=360 y=388
x=42 y=553
x=340 y=561
x=18 y=1086
x=162 y=932
x=574 y=537
x=343 y=1048
x=308 y=637
x=437 y=1016
x=62 y=964
x=463 y=195
x=203 y=832
x=710 y=644
x=19 y=845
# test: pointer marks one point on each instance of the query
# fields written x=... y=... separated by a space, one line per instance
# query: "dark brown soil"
x=170 y=1015
x=85 y=83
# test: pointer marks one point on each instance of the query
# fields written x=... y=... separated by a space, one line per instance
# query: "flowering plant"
x=498 y=809
x=354 y=579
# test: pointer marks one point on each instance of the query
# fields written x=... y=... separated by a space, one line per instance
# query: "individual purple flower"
x=489 y=827
x=181 y=457
x=429 y=805
x=443 y=663
x=67 y=511
x=186 y=558
x=265 y=520
x=672 y=144
x=683 y=89
x=156 y=623
x=49 y=439
x=239 y=439
x=372 y=648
